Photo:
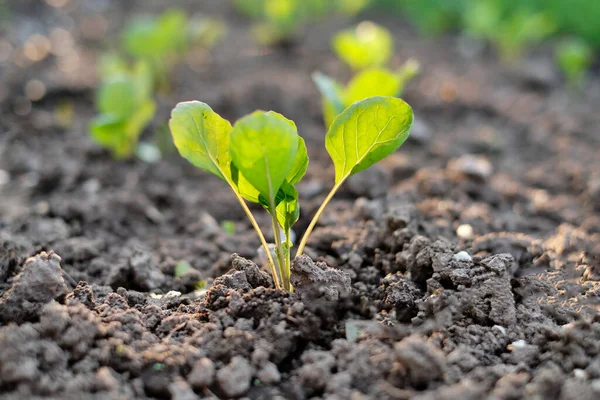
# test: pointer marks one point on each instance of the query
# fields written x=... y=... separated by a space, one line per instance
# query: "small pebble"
x=465 y=231
x=518 y=344
x=500 y=328
x=463 y=256
x=477 y=167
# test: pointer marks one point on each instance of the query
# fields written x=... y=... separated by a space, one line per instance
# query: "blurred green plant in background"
x=510 y=25
x=163 y=40
x=366 y=49
x=124 y=98
x=574 y=57
x=125 y=107
x=278 y=21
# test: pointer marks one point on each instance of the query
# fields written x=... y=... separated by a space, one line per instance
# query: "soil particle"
x=470 y=166
x=40 y=282
x=203 y=373
x=420 y=362
x=310 y=278
x=13 y=251
x=235 y=378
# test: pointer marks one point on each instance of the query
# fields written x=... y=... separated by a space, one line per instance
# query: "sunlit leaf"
x=368 y=45
x=332 y=94
x=202 y=137
x=367 y=132
x=263 y=147
x=372 y=82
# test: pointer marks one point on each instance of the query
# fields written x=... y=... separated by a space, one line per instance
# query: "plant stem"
x=279 y=251
x=312 y=224
x=260 y=236
x=288 y=260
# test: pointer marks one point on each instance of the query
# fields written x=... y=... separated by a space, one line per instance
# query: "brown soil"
x=395 y=305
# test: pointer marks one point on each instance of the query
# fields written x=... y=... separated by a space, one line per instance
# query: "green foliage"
x=150 y=37
x=277 y=21
x=163 y=40
x=365 y=48
x=262 y=158
x=125 y=107
x=574 y=57
x=367 y=45
x=367 y=132
x=511 y=32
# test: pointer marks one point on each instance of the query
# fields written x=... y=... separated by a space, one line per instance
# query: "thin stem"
x=279 y=250
x=261 y=237
x=312 y=224
x=288 y=260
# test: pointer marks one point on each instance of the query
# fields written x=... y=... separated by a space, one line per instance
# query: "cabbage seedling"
x=574 y=57
x=162 y=40
x=262 y=157
x=365 y=49
x=125 y=106
x=279 y=20
x=367 y=45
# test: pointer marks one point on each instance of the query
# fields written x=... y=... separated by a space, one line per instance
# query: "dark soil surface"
x=465 y=266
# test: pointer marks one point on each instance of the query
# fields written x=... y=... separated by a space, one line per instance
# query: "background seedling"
x=367 y=46
x=510 y=32
x=278 y=21
x=574 y=57
x=161 y=41
x=262 y=158
x=125 y=107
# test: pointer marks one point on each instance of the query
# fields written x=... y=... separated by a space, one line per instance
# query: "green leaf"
x=250 y=193
x=117 y=96
x=367 y=132
x=156 y=37
x=372 y=82
x=288 y=210
x=202 y=137
x=110 y=131
x=332 y=94
x=300 y=164
x=139 y=119
x=368 y=45
x=263 y=147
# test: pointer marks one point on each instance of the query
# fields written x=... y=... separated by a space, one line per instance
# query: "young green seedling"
x=279 y=20
x=162 y=40
x=125 y=106
x=262 y=157
x=369 y=46
x=574 y=57
x=510 y=32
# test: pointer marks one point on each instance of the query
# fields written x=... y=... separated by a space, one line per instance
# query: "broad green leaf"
x=372 y=82
x=110 y=131
x=202 y=137
x=300 y=164
x=250 y=193
x=288 y=210
x=368 y=45
x=139 y=119
x=117 y=97
x=263 y=147
x=332 y=93
x=154 y=37
x=143 y=80
x=367 y=132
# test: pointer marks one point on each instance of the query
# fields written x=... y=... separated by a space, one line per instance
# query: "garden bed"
x=469 y=259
